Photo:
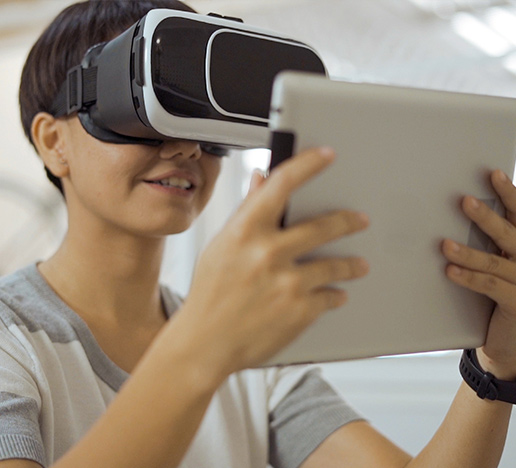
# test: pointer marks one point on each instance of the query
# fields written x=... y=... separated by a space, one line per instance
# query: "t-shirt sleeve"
x=20 y=435
x=304 y=418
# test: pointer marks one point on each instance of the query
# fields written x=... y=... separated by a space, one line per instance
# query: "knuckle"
x=290 y=284
x=489 y=283
x=353 y=221
x=347 y=269
x=337 y=224
x=506 y=232
x=282 y=177
x=492 y=263
x=336 y=270
x=348 y=221
x=275 y=252
x=334 y=225
x=264 y=255
x=240 y=230
x=353 y=268
x=331 y=270
x=344 y=269
x=321 y=225
x=507 y=228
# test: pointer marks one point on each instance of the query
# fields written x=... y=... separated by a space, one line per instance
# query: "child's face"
x=117 y=185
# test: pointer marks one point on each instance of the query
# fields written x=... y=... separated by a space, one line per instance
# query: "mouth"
x=174 y=182
x=177 y=182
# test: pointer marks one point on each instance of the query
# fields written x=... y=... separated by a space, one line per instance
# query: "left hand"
x=492 y=275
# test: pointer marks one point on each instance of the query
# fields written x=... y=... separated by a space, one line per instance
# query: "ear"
x=48 y=136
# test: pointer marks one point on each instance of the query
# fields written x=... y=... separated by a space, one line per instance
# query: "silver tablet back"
x=406 y=157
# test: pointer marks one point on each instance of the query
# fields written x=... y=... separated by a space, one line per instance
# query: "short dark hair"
x=65 y=41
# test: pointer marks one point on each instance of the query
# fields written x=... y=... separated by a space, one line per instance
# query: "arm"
x=233 y=318
x=474 y=431
x=472 y=435
x=19 y=464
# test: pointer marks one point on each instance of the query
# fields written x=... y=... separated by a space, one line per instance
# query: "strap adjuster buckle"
x=74 y=90
x=486 y=388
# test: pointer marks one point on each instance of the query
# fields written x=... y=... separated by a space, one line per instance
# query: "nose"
x=183 y=149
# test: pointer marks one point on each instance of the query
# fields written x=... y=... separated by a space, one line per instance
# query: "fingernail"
x=258 y=172
x=255 y=179
x=363 y=266
x=363 y=218
x=455 y=270
x=474 y=203
x=327 y=152
x=501 y=176
x=454 y=247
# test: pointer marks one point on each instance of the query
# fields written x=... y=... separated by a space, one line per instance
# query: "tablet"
x=406 y=157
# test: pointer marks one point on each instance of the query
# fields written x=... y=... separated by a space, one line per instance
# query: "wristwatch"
x=485 y=384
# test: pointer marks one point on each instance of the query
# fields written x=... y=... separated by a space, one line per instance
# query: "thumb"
x=257 y=179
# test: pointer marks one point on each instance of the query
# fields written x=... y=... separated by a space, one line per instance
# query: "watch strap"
x=485 y=384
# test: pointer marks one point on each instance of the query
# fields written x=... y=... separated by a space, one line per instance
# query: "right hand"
x=250 y=296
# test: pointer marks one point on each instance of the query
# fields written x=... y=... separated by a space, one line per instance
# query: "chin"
x=165 y=229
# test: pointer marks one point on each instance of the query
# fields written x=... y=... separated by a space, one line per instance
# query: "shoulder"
x=16 y=292
x=28 y=305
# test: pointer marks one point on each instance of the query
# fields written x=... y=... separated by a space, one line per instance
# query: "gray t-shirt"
x=55 y=382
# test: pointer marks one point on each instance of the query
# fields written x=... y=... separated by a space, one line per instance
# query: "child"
x=100 y=366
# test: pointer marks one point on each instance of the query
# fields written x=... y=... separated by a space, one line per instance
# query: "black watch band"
x=485 y=384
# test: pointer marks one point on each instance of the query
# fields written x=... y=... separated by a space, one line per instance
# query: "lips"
x=181 y=180
x=174 y=182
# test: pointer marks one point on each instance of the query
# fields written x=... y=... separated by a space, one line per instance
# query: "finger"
x=286 y=178
x=325 y=299
x=257 y=180
x=499 y=229
x=304 y=237
x=318 y=273
x=499 y=290
x=482 y=262
x=507 y=193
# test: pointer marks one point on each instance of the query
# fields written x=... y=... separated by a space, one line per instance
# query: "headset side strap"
x=77 y=92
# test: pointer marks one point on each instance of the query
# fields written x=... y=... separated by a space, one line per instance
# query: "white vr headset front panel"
x=201 y=129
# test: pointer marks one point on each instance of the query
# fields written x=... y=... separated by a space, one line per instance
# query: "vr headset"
x=180 y=75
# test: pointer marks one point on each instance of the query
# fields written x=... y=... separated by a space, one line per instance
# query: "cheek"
x=92 y=179
x=99 y=176
x=211 y=170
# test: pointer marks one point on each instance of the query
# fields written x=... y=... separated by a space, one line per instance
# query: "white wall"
x=31 y=211
x=407 y=397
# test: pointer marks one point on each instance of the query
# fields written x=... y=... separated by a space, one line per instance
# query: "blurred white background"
x=462 y=45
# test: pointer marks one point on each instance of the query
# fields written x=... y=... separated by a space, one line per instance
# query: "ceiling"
x=14 y=15
x=408 y=42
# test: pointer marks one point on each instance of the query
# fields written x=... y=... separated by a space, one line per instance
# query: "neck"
x=108 y=275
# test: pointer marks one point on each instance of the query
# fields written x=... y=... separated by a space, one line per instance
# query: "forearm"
x=472 y=434
x=154 y=418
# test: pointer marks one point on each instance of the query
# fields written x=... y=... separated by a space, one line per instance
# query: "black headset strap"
x=78 y=91
x=77 y=94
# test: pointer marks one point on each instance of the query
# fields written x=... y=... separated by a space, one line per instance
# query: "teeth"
x=176 y=182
